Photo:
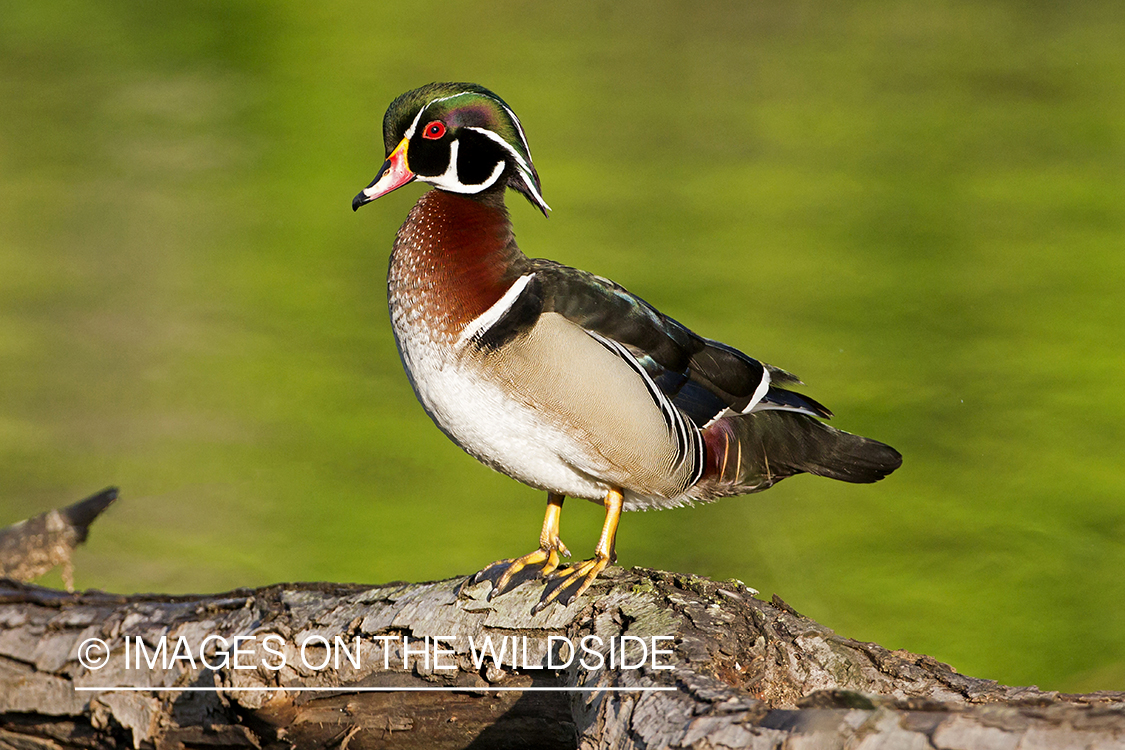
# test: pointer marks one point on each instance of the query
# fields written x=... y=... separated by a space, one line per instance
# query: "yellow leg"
x=507 y=573
x=571 y=582
x=549 y=536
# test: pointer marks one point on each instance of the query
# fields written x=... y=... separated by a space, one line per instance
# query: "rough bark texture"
x=745 y=673
x=30 y=548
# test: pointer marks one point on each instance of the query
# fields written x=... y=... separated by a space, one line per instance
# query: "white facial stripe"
x=454 y=185
x=450 y=173
x=519 y=128
x=447 y=98
x=489 y=317
x=449 y=180
x=516 y=120
x=534 y=191
x=414 y=125
x=410 y=130
x=521 y=163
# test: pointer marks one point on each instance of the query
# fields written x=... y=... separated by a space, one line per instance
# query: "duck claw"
x=569 y=583
x=505 y=575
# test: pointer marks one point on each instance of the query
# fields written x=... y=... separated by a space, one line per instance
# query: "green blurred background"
x=918 y=208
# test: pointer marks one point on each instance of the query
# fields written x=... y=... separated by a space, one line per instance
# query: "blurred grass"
x=917 y=208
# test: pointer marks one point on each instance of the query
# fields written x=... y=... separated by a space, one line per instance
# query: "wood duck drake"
x=562 y=379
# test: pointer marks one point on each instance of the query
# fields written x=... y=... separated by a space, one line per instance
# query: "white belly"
x=554 y=410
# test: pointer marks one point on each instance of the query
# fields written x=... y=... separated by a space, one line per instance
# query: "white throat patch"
x=449 y=179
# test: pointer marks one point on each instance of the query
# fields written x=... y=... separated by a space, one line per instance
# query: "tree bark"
x=30 y=548
x=741 y=672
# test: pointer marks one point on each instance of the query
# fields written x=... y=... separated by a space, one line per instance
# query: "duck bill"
x=392 y=175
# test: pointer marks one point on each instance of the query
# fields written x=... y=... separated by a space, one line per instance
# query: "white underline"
x=360 y=689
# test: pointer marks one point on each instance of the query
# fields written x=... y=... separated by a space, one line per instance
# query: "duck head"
x=458 y=137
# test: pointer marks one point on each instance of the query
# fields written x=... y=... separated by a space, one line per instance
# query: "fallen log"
x=645 y=659
x=30 y=548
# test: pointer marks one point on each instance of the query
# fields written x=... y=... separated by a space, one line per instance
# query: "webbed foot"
x=569 y=583
x=507 y=574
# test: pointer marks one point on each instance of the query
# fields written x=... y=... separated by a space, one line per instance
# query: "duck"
x=562 y=379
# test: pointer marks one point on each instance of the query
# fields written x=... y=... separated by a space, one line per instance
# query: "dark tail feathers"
x=751 y=452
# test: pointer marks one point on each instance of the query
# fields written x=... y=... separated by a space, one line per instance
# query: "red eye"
x=434 y=130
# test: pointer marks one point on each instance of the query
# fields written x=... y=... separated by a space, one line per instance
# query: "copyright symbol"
x=93 y=653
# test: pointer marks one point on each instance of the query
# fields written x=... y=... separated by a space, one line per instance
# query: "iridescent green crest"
x=472 y=107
